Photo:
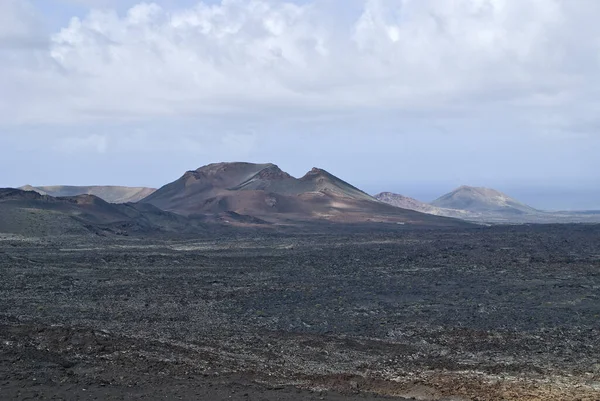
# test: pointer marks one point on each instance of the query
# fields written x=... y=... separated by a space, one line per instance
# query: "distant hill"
x=266 y=192
x=477 y=199
x=406 y=202
x=486 y=205
x=111 y=194
x=30 y=213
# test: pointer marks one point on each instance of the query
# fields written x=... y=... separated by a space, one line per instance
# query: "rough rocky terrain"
x=497 y=313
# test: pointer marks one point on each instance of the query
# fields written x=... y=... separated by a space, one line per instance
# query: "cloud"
x=527 y=58
x=19 y=26
x=94 y=143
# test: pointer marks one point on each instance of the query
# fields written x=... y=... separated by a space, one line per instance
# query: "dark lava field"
x=491 y=313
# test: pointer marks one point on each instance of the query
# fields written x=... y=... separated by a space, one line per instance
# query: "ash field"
x=473 y=313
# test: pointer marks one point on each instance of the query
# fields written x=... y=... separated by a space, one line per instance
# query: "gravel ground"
x=475 y=314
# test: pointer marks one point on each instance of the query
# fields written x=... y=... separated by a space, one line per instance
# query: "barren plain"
x=490 y=313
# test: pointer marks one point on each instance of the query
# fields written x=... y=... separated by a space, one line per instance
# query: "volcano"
x=478 y=199
x=266 y=192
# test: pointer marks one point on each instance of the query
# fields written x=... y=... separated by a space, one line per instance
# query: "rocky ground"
x=495 y=313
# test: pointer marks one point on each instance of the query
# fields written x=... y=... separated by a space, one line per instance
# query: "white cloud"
x=529 y=58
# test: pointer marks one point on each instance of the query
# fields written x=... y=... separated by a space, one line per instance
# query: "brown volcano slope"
x=30 y=213
x=267 y=192
x=111 y=194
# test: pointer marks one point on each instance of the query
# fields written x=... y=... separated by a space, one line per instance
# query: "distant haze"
x=415 y=97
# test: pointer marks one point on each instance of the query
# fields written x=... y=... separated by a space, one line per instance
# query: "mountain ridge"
x=486 y=205
x=109 y=193
x=266 y=192
x=28 y=212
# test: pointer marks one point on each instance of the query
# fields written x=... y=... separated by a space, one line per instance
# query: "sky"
x=409 y=96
